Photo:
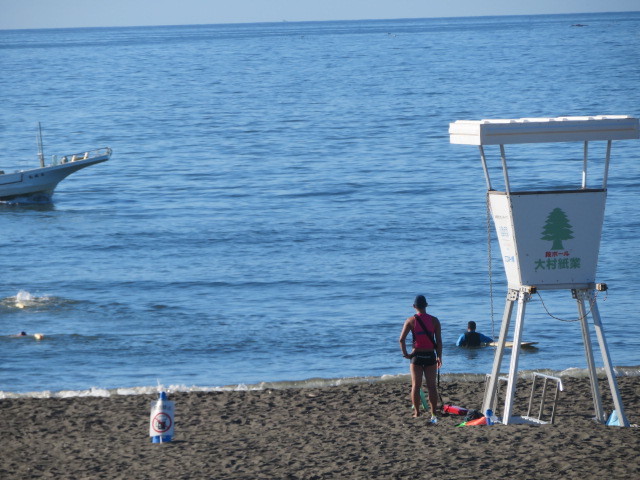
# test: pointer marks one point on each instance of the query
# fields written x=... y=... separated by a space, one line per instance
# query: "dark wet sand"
x=355 y=431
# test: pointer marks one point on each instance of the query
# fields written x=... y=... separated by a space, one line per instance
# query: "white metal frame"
x=543 y=398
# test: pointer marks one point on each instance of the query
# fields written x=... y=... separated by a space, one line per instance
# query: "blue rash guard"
x=462 y=340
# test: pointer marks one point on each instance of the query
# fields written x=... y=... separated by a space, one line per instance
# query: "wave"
x=316 y=383
x=34 y=200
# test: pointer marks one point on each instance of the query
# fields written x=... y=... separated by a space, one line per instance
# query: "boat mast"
x=40 y=151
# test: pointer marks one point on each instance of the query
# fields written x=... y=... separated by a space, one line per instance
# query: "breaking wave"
x=300 y=384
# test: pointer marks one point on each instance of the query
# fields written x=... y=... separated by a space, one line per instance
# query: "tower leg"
x=490 y=394
x=580 y=295
x=523 y=298
x=606 y=357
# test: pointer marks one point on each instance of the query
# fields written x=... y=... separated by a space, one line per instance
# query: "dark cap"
x=420 y=302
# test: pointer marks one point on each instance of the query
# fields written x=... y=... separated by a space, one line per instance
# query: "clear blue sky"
x=102 y=13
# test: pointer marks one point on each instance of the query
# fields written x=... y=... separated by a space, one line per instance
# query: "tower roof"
x=542 y=130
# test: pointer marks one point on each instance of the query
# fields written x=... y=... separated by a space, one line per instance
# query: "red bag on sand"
x=477 y=421
x=452 y=409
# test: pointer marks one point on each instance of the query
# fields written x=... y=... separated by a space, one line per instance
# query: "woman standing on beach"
x=426 y=356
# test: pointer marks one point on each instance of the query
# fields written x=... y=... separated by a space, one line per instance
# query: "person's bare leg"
x=416 y=383
x=430 y=375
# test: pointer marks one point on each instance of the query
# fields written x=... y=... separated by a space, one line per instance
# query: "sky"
x=19 y=14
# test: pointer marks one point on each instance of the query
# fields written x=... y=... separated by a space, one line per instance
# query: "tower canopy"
x=543 y=130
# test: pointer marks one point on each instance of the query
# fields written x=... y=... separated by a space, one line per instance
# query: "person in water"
x=37 y=336
x=472 y=338
x=426 y=355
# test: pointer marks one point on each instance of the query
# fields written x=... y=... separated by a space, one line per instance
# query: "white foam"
x=572 y=372
x=24 y=296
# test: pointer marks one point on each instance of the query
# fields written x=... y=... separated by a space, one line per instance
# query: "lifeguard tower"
x=549 y=240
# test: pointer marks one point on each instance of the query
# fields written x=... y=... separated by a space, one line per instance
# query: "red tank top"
x=422 y=339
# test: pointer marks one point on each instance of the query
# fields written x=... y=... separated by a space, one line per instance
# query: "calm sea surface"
x=279 y=193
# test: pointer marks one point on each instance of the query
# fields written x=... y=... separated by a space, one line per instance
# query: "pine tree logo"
x=557 y=229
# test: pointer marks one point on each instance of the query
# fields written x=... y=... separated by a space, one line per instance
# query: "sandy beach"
x=353 y=431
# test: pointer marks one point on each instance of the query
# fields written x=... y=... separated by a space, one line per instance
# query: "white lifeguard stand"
x=549 y=240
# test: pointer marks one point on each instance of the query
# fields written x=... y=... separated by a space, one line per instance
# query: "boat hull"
x=42 y=180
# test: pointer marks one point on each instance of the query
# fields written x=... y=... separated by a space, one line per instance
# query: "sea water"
x=279 y=193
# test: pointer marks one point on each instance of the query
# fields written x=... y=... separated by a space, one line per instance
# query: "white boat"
x=41 y=182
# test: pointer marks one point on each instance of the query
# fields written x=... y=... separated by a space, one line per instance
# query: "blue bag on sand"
x=613 y=419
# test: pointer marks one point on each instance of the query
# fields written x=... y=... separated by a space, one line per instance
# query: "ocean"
x=279 y=193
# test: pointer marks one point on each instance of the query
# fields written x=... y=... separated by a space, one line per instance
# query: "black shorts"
x=426 y=359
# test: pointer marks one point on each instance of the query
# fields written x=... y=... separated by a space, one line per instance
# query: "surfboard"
x=510 y=344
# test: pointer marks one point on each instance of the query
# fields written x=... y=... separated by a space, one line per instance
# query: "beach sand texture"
x=352 y=431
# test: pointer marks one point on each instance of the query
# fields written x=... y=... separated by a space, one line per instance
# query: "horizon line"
x=318 y=21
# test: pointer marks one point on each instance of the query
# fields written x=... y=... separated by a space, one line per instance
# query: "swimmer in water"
x=37 y=336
